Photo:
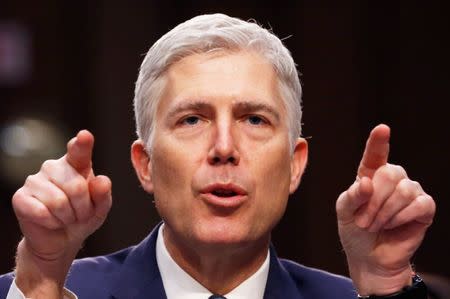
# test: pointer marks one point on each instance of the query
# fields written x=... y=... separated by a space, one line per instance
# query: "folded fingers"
x=421 y=210
x=54 y=197
x=51 y=196
x=385 y=181
x=405 y=192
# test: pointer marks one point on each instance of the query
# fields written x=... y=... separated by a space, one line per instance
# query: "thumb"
x=354 y=198
x=100 y=191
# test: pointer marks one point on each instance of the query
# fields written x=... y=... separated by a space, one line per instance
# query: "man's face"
x=221 y=168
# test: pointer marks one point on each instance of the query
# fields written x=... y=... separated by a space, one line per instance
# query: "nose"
x=224 y=146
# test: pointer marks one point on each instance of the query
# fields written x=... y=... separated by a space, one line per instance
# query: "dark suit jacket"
x=133 y=273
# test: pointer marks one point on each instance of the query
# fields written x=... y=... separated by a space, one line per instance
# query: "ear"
x=298 y=163
x=142 y=165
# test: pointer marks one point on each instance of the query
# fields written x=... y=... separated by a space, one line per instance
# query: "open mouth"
x=224 y=193
x=224 y=196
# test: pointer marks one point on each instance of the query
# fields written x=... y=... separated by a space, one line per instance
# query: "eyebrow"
x=185 y=106
x=249 y=107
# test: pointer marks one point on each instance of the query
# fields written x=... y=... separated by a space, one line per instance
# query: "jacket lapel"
x=139 y=276
x=279 y=283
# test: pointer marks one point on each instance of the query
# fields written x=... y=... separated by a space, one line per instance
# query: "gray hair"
x=207 y=33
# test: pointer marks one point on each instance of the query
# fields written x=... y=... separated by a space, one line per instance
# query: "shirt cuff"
x=15 y=293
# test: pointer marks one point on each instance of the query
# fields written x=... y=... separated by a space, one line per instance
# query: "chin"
x=227 y=235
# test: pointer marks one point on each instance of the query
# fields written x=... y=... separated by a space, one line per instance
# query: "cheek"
x=271 y=164
x=274 y=184
x=272 y=173
x=170 y=183
x=173 y=167
x=169 y=177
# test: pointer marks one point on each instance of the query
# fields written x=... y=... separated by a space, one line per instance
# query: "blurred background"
x=70 y=65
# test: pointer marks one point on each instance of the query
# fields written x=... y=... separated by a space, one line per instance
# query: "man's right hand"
x=57 y=209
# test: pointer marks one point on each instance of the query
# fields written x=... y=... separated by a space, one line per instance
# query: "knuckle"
x=18 y=197
x=432 y=204
x=57 y=204
x=48 y=166
x=40 y=213
x=30 y=180
x=428 y=203
x=391 y=173
x=406 y=188
x=76 y=186
x=415 y=184
x=400 y=170
x=60 y=198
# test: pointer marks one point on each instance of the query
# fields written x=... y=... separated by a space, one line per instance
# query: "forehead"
x=230 y=77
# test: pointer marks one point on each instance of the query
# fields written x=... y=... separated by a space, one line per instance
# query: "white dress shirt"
x=180 y=285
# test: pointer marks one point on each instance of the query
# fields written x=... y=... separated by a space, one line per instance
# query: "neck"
x=219 y=268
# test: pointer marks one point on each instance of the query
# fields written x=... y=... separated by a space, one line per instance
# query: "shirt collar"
x=180 y=285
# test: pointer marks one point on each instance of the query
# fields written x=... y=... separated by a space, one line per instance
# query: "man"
x=218 y=117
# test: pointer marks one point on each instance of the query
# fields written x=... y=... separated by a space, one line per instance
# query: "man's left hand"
x=382 y=220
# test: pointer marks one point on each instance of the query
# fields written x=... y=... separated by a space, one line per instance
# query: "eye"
x=256 y=120
x=190 y=120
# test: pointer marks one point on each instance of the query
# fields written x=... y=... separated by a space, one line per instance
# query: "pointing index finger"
x=376 y=152
x=79 y=152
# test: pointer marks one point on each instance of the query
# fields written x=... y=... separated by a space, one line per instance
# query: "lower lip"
x=230 y=202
